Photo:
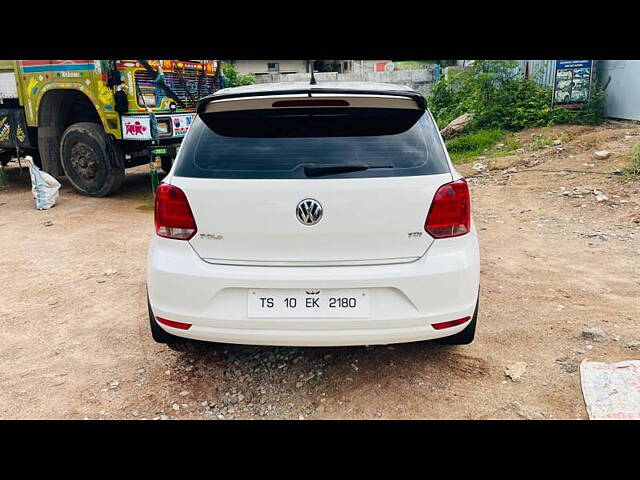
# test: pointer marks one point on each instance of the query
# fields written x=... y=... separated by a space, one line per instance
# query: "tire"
x=466 y=336
x=5 y=157
x=36 y=158
x=175 y=343
x=93 y=163
x=167 y=162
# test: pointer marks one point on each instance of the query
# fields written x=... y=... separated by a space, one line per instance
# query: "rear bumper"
x=406 y=299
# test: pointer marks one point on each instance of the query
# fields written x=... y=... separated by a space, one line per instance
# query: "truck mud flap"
x=13 y=129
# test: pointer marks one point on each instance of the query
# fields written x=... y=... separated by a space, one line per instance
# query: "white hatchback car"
x=313 y=215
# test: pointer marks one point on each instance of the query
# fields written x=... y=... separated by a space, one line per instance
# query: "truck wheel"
x=167 y=162
x=92 y=162
x=5 y=157
x=35 y=154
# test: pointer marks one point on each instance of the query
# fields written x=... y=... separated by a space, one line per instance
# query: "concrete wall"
x=419 y=80
x=260 y=66
x=300 y=66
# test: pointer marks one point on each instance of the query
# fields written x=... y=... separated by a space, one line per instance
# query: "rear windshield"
x=312 y=143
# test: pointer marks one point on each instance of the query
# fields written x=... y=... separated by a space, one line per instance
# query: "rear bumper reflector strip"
x=451 y=323
x=171 y=323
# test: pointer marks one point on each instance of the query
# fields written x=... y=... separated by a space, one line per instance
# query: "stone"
x=568 y=365
x=594 y=333
x=515 y=371
x=601 y=154
x=525 y=413
x=457 y=126
x=479 y=166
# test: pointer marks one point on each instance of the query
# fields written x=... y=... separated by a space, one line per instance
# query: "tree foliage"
x=233 y=79
x=499 y=97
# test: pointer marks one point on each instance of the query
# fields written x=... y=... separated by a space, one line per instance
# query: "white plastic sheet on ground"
x=611 y=390
x=43 y=186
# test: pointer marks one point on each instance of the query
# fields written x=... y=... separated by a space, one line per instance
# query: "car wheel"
x=466 y=336
x=92 y=162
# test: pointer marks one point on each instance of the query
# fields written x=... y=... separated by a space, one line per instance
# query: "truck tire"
x=167 y=162
x=5 y=157
x=93 y=163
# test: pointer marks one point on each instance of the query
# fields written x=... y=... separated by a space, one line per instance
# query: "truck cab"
x=92 y=119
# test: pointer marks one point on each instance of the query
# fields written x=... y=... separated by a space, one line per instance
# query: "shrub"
x=634 y=167
x=233 y=79
x=500 y=98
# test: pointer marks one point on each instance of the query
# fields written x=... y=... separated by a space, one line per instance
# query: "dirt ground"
x=76 y=342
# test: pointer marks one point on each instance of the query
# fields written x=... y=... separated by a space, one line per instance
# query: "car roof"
x=284 y=88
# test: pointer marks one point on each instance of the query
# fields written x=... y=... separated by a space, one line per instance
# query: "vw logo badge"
x=309 y=211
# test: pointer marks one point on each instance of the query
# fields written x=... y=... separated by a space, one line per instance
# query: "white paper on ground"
x=611 y=390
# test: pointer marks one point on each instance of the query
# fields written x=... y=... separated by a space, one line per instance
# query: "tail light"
x=310 y=102
x=450 y=212
x=173 y=215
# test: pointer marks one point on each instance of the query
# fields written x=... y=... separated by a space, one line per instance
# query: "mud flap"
x=13 y=129
x=49 y=148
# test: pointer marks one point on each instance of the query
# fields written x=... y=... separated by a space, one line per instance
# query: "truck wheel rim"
x=84 y=161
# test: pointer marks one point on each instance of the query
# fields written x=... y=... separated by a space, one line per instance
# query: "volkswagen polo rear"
x=313 y=215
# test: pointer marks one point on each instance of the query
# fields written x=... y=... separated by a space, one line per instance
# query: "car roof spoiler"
x=417 y=97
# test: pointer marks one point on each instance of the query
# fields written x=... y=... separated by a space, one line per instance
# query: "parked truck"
x=92 y=119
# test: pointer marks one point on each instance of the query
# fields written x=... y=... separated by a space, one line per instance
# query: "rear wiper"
x=319 y=171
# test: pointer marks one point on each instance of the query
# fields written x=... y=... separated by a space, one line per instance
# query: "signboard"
x=8 y=85
x=181 y=124
x=136 y=127
x=572 y=83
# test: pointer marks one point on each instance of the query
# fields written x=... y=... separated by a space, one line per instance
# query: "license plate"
x=309 y=303
x=158 y=151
